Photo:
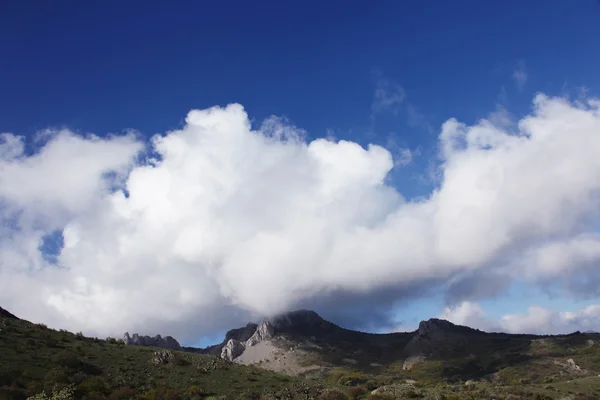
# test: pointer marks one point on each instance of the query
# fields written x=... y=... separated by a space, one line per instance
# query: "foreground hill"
x=34 y=358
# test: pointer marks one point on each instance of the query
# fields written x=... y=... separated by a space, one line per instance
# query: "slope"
x=34 y=358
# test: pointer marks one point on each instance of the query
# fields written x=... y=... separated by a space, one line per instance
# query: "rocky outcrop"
x=411 y=361
x=232 y=350
x=162 y=357
x=6 y=314
x=570 y=366
x=239 y=334
x=264 y=331
x=437 y=337
x=235 y=348
x=167 y=342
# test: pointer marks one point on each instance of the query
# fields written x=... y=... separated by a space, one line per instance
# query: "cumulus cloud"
x=538 y=320
x=229 y=222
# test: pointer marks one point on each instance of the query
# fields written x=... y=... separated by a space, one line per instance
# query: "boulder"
x=232 y=350
x=162 y=357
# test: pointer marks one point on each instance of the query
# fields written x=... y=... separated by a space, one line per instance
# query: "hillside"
x=34 y=358
x=300 y=355
x=437 y=353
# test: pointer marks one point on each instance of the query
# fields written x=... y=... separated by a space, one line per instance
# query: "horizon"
x=180 y=170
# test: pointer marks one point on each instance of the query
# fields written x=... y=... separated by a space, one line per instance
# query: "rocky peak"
x=264 y=331
x=241 y=334
x=168 y=342
x=437 y=327
x=303 y=322
x=434 y=326
x=232 y=349
x=6 y=314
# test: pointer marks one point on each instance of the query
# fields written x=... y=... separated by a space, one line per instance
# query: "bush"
x=66 y=393
x=12 y=393
x=122 y=393
x=194 y=391
x=67 y=359
x=333 y=394
x=357 y=392
x=381 y=396
x=55 y=379
x=93 y=384
x=411 y=394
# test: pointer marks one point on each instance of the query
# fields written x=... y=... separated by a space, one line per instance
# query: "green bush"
x=65 y=393
x=357 y=392
x=333 y=394
x=12 y=393
x=122 y=393
x=93 y=384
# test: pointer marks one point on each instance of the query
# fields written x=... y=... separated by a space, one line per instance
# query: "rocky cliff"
x=234 y=348
x=167 y=342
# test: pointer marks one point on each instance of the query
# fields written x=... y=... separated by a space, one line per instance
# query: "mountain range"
x=301 y=355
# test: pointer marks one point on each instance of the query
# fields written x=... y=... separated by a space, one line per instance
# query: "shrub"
x=122 y=393
x=66 y=393
x=194 y=391
x=357 y=392
x=12 y=393
x=381 y=396
x=333 y=394
x=93 y=384
x=55 y=379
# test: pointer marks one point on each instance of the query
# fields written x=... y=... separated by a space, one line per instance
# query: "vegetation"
x=46 y=364
x=38 y=363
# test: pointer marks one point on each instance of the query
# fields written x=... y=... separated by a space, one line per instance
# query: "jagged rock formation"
x=265 y=331
x=234 y=348
x=239 y=334
x=6 y=314
x=167 y=342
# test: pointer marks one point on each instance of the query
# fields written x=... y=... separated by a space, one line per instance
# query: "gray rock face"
x=232 y=350
x=265 y=331
x=167 y=342
x=162 y=357
x=235 y=348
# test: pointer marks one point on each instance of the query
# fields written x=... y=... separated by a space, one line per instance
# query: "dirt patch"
x=270 y=357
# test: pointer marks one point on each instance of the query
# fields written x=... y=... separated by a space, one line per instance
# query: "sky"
x=185 y=167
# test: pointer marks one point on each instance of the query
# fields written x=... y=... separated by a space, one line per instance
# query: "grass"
x=35 y=358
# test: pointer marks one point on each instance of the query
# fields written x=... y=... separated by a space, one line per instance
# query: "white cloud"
x=519 y=75
x=468 y=314
x=538 y=320
x=233 y=220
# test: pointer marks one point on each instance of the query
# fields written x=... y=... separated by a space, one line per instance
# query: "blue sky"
x=134 y=65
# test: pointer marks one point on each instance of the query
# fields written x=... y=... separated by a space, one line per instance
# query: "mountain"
x=36 y=359
x=300 y=355
x=303 y=343
x=6 y=314
x=434 y=338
